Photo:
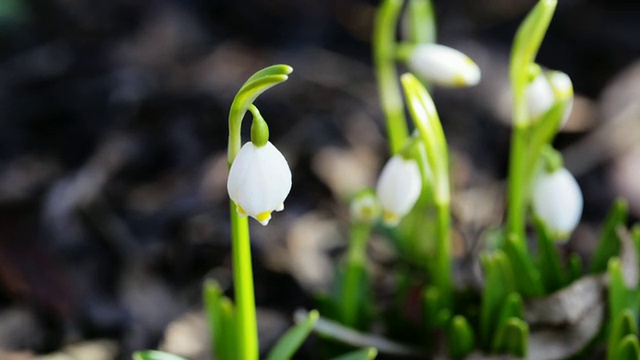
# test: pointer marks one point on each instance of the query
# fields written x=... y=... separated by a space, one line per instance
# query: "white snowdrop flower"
x=562 y=90
x=443 y=65
x=365 y=208
x=557 y=201
x=259 y=181
x=540 y=96
x=398 y=188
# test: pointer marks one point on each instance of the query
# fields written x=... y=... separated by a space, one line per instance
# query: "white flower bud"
x=563 y=90
x=443 y=65
x=365 y=208
x=540 y=96
x=259 y=181
x=557 y=201
x=398 y=188
x=547 y=88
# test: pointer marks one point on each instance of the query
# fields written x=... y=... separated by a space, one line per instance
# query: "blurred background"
x=113 y=127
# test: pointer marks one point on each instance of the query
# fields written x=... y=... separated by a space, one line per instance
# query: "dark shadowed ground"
x=113 y=203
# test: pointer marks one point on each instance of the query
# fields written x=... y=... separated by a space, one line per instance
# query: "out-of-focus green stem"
x=354 y=264
x=427 y=121
x=526 y=44
x=384 y=53
x=422 y=21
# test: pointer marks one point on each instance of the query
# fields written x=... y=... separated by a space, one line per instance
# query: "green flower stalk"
x=384 y=57
x=526 y=45
x=427 y=121
x=258 y=150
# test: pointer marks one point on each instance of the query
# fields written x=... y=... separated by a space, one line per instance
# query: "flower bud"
x=398 y=188
x=562 y=90
x=365 y=208
x=545 y=90
x=540 y=96
x=557 y=201
x=443 y=65
x=259 y=181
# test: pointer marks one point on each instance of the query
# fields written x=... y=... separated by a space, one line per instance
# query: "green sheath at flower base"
x=259 y=128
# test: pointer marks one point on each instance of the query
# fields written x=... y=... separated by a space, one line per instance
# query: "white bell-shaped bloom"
x=562 y=90
x=557 y=201
x=259 y=181
x=540 y=96
x=398 y=188
x=443 y=65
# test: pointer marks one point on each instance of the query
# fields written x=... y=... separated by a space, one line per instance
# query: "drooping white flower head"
x=557 y=201
x=540 y=96
x=259 y=181
x=398 y=188
x=443 y=65
x=547 y=88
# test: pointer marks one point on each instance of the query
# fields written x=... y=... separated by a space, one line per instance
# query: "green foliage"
x=552 y=274
x=512 y=338
x=293 y=338
x=221 y=319
x=627 y=349
x=499 y=284
x=155 y=355
x=609 y=242
x=461 y=338
x=363 y=354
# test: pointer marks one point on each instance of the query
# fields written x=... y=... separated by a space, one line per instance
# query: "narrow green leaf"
x=461 y=338
x=627 y=349
x=512 y=338
x=220 y=316
x=293 y=338
x=609 y=242
x=618 y=292
x=624 y=325
x=526 y=276
x=551 y=272
x=155 y=355
x=498 y=284
x=512 y=308
x=363 y=354
x=574 y=267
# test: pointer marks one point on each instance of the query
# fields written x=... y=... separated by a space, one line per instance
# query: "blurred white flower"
x=443 y=65
x=259 y=181
x=540 y=96
x=545 y=90
x=398 y=188
x=562 y=90
x=557 y=201
x=365 y=208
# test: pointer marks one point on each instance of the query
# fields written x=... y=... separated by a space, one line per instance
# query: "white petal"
x=557 y=201
x=563 y=89
x=540 y=96
x=259 y=180
x=443 y=65
x=398 y=188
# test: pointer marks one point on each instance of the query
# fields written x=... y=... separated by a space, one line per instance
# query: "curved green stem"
x=427 y=121
x=526 y=44
x=384 y=53
x=246 y=324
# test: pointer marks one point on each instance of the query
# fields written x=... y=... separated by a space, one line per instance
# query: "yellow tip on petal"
x=459 y=81
x=241 y=210
x=280 y=207
x=390 y=218
x=264 y=217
